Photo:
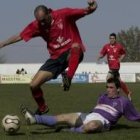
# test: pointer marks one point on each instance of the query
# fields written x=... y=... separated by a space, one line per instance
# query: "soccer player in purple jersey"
x=110 y=107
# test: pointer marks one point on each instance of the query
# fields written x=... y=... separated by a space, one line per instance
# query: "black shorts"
x=115 y=73
x=57 y=66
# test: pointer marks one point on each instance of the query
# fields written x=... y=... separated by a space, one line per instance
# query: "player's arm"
x=102 y=53
x=130 y=112
x=92 y=6
x=122 y=53
x=78 y=13
x=11 y=40
x=100 y=56
x=121 y=57
x=129 y=96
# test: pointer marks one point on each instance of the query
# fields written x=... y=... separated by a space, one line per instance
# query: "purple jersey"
x=113 y=108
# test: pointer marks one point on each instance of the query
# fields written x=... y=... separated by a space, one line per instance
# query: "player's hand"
x=92 y=4
x=120 y=60
x=2 y=45
x=129 y=96
x=97 y=61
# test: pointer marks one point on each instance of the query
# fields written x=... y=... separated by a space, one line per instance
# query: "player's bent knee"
x=33 y=86
x=94 y=126
x=76 y=45
x=109 y=76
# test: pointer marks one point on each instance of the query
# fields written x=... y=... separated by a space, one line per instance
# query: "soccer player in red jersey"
x=58 y=28
x=115 y=52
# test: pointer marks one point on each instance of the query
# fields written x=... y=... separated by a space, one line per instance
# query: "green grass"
x=81 y=97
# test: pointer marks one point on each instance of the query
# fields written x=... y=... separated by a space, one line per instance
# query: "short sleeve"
x=74 y=13
x=122 y=50
x=30 y=31
x=103 y=51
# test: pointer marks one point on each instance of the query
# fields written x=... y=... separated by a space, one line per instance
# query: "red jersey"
x=113 y=53
x=62 y=33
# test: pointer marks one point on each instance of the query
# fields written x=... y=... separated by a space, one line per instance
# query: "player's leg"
x=74 y=58
x=78 y=122
x=71 y=119
x=92 y=122
x=93 y=126
x=125 y=89
x=51 y=69
x=109 y=75
x=37 y=93
x=90 y=127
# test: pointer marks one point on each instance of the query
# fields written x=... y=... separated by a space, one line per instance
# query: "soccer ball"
x=11 y=124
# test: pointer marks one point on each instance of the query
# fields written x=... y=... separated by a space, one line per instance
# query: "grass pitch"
x=81 y=97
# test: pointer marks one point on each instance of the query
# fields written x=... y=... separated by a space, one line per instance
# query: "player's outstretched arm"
x=129 y=96
x=121 y=57
x=98 y=58
x=92 y=6
x=11 y=40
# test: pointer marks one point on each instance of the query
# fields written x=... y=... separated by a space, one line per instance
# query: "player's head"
x=113 y=86
x=112 y=38
x=42 y=14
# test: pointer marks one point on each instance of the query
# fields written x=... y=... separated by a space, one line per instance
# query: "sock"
x=46 y=120
x=124 y=87
x=38 y=96
x=73 y=61
x=77 y=129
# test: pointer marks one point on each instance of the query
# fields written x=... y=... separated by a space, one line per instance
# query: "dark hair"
x=116 y=81
x=43 y=8
x=113 y=34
